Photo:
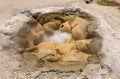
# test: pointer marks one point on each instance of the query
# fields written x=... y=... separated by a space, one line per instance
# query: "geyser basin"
x=27 y=65
x=63 y=39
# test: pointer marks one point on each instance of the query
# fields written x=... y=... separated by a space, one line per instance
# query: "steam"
x=58 y=37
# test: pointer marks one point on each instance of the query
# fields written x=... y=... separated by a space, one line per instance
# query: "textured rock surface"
x=109 y=54
x=66 y=54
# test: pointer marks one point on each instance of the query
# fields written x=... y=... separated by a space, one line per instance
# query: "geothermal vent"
x=62 y=40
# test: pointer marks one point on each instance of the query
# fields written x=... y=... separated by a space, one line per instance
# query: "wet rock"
x=52 y=26
x=30 y=34
x=46 y=51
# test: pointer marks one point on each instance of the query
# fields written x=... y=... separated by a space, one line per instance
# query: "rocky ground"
x=14 y=66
